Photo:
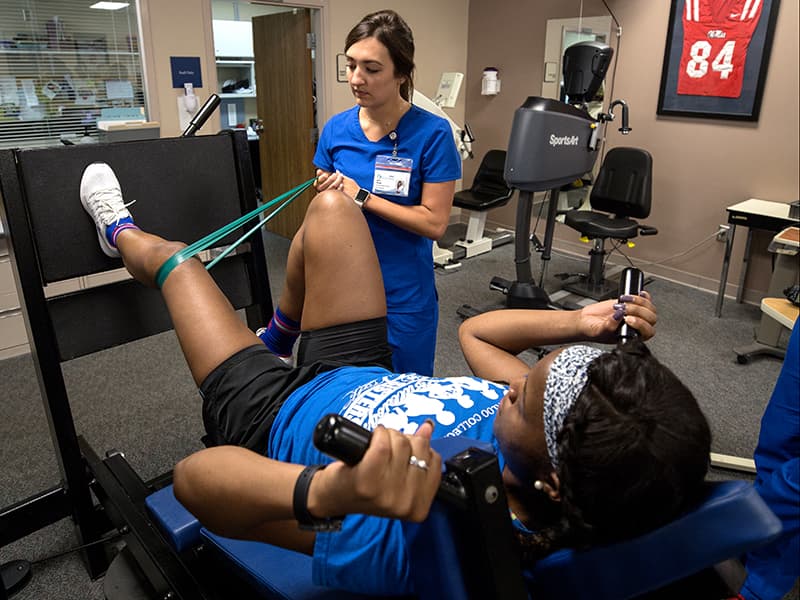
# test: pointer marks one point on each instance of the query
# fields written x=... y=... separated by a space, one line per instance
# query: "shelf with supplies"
x=236 y=77
x=36 y=110
x=47 y=127
x=49 y=90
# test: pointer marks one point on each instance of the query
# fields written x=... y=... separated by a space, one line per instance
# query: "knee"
x=330 y=202
x=331 y=211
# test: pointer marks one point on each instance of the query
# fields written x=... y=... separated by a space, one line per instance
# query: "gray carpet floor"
x=140 y=399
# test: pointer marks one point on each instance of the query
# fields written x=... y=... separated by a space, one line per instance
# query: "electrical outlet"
x=722 y=232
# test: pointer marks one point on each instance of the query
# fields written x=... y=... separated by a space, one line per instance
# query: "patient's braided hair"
x=392 y=31
x=633 y=454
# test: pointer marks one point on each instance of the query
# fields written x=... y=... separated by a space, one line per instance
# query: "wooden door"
x=286 y=108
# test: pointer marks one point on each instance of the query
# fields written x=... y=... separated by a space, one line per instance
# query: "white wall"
x=440 y=38
x=183 y=28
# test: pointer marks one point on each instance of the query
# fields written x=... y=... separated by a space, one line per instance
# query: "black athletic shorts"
x=242 y=396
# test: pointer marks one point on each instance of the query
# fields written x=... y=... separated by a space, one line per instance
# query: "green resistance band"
x=212 y=238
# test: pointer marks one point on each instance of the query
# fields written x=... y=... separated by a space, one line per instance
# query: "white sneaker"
x=101 y=197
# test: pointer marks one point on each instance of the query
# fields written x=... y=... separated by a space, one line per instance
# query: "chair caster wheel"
x=742 y=359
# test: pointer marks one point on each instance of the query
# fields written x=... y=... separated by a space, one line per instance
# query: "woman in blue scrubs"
x=399 y=163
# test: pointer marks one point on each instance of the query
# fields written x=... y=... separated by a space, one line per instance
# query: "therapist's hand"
x=328 y=181
x=349 y=186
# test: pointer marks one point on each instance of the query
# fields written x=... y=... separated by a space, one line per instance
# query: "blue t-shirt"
x=405 y=257
x=369 y=554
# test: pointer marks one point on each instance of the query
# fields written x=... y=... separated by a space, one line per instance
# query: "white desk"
x=780 y=309
x=753 y=214
x=770 y=334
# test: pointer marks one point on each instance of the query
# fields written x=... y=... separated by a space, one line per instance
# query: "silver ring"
x=416 y=462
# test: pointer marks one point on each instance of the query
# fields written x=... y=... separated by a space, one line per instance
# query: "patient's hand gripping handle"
x=631 y=282
x=473 y=485
x=342 y=439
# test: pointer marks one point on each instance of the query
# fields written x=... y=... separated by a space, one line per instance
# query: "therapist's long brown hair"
x=392 y=31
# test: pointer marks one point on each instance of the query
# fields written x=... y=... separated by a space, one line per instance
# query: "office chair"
x=623 y=189
x=488 y=191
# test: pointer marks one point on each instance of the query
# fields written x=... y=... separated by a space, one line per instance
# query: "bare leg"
x=332 y=272
x=208 y=328
x=332 y=277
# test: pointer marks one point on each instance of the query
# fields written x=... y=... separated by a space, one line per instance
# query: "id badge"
x=392 y=175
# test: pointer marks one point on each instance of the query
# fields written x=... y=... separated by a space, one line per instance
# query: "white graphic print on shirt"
x=403 y=402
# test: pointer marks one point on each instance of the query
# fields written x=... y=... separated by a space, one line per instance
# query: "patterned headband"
x=565 y=382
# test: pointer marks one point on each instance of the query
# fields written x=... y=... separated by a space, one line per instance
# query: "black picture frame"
x=341 y=68
x=747 y=105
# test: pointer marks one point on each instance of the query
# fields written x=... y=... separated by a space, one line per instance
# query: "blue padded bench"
x=179 y=525
x=276 y=572
x=731 y=520
x=184 y=530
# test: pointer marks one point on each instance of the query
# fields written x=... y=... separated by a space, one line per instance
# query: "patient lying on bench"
x=594 y=445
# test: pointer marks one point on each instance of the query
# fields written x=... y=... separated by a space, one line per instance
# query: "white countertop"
x=767 y=208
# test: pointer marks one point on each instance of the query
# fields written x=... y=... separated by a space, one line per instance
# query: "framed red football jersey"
x=716 y=35
x=716 y=58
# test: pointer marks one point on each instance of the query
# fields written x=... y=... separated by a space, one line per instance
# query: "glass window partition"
x=64 y=62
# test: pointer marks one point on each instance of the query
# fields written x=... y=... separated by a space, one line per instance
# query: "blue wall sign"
x=186 y=69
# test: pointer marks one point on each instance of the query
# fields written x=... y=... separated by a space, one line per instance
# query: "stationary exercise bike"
x=552 y=143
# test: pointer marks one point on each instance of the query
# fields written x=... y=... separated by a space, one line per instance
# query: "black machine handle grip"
x=202 y=115
x=342 y=439
x=631 y=282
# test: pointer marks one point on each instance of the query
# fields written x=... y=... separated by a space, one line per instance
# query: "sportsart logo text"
x=563 y=140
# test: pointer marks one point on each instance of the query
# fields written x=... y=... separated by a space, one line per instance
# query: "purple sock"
x=279 y=336
x=112 y=231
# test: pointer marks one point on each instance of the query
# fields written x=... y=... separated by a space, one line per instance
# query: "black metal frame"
x=243 y=276
x=104 y=496
x=483 y=534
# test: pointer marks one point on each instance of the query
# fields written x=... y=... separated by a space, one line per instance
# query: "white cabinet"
x=236 y=75
x=8 y=291
x=13 y=338
x=233 y=38
x=13 y=335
